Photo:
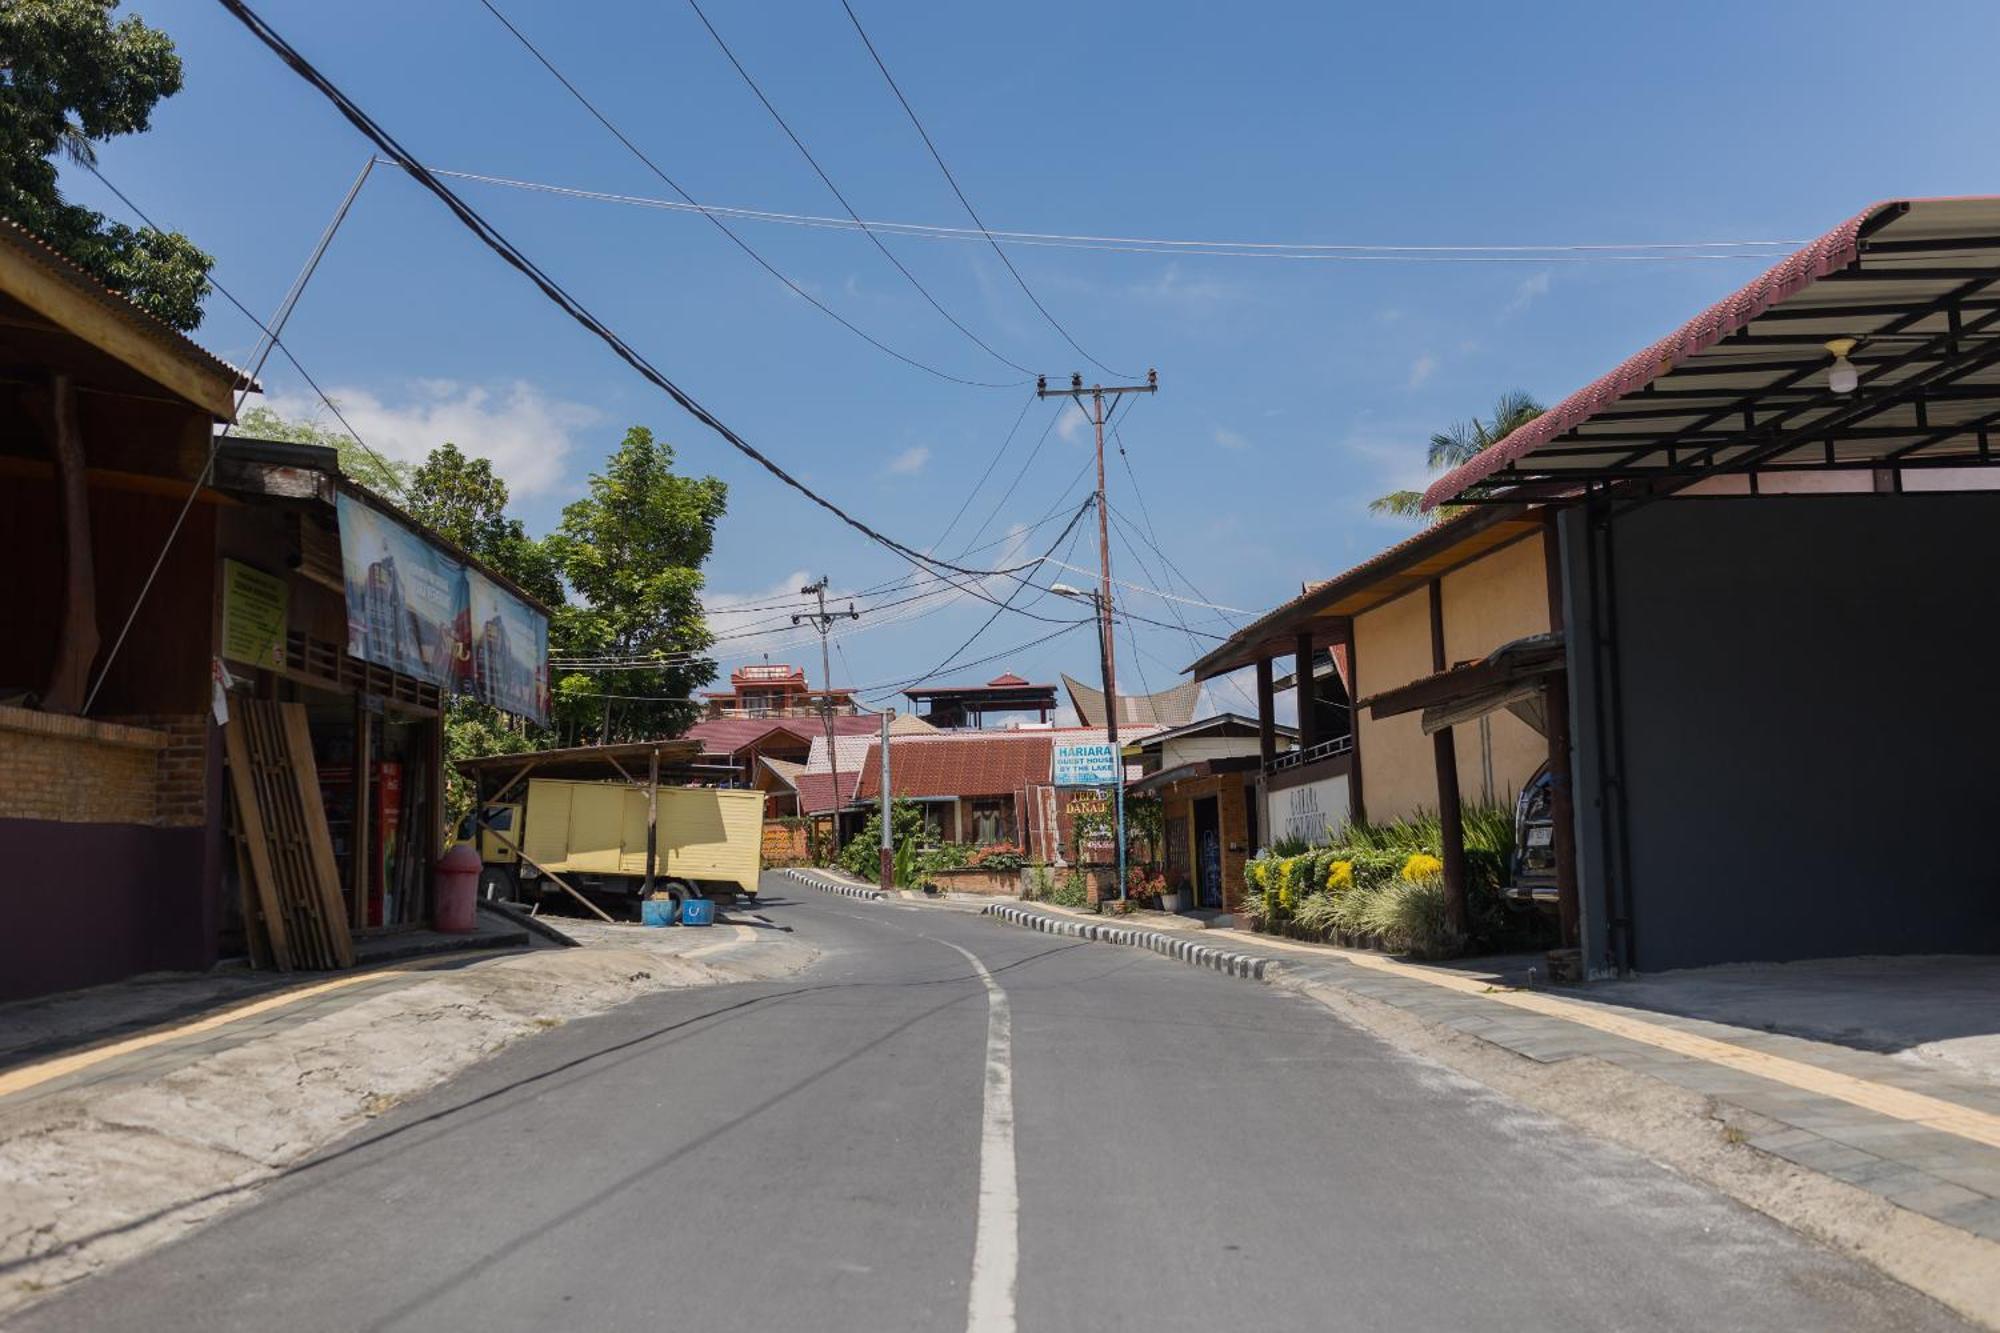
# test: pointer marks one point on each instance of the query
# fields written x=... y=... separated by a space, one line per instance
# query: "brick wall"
x=143 y=770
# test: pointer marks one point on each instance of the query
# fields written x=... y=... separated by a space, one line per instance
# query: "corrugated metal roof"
x=993 y=765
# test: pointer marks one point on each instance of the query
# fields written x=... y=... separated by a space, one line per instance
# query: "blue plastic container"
x=697 y=912
x=657 y=912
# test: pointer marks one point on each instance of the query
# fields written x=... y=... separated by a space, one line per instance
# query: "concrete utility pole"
x=823 y=622
x=888 y=867
x=1102 y=598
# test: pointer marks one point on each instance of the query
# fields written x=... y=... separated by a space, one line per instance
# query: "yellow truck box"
x=710 y=838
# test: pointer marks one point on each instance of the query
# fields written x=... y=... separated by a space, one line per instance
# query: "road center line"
x=989 y=1304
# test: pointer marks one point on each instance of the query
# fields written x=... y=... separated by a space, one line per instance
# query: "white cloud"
x=526 y=434
x=1235 y=441
x=1530 y=290
x=910 y=461
x=1421 y=369
x=1173 y=287
x=1072 y=423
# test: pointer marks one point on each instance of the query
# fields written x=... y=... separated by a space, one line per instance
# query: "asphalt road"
x=1187 y=1151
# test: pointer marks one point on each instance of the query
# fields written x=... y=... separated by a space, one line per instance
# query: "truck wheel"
x=497 y=884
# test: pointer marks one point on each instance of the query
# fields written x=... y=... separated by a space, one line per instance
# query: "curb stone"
x=1181 y=950
x=827 y=883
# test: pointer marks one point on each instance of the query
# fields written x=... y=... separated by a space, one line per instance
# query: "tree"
x=632 y=550
x=465 y=502
x=377 y=473
x=70 y=78
x=1463 y=442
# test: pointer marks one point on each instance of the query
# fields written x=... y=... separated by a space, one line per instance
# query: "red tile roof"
x=992 y=765
x=816 y=790
x=1007 y=678
x=728 y=735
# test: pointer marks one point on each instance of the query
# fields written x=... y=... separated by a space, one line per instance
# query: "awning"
x=1745 y=386
x=1200 y=768
x=1510 y=677
x=629 y=761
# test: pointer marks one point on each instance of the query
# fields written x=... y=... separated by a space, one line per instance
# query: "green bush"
x=1411 y=918
x=1073 y=891
x=1316 y=912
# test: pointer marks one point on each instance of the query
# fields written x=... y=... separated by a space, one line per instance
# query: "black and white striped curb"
x=1173 y=946
x=825 y=883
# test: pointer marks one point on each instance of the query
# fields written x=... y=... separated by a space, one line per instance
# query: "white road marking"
x=989 y=1304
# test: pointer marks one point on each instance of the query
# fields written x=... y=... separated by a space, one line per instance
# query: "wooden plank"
x=515 y=847
x=319 y=842
x=255 y=942
x=243 y=787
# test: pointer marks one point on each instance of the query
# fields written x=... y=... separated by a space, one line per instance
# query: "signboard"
x=413 y=608
x=254 y=610
x=1311 y=812
x=1085 y=764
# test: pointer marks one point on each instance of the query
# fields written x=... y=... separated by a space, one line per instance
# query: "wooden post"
x=1555 y=711
x=359 y=854
x=1302 y=678
x=652 y=822
x=1356 y=805
x=1451 y=825
x=560 y=883
x=76 y=638
x=1267 y=729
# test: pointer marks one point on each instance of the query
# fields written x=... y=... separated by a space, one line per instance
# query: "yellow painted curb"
x=31 y=1076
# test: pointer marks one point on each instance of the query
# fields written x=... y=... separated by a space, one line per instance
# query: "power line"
x=991 y=464
x=1155 y=592
x=970 y=212
x=515 y=258
x=388 y=470
x=821 y=172
x=720 y=225
x=1350 y=251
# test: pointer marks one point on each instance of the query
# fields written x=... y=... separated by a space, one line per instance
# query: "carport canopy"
x=1512 y=676
x=1906 y=293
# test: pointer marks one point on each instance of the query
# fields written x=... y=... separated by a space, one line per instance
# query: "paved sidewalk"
x=1916 y=1136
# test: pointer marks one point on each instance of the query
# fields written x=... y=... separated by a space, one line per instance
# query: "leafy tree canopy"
x=462 y=500
x=385 y=475
x=71 y=78
x=632 y=549
x=1461 y=443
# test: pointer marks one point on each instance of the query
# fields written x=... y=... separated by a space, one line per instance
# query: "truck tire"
x=499 y=884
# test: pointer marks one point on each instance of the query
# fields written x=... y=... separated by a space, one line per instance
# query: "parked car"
x=1534 y=869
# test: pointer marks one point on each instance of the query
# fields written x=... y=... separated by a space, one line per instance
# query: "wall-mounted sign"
x=413 y=608
x=1085 y=763
x=1313 y=812
x=254 y=610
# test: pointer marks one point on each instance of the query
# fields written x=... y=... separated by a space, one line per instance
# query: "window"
x=990 y=822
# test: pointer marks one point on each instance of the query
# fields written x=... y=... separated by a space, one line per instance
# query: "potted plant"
x=1172 y=898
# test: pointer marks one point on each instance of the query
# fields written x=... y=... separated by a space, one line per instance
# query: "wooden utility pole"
x=823 y=622
x=1102 y=599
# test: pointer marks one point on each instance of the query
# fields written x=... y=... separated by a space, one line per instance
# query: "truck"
x=708 y=842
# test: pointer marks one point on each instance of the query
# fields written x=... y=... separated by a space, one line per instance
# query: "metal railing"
x=1299 y=758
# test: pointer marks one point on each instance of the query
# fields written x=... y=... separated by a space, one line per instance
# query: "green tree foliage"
x=70 y=78
x=632 y=550
x=862 y=856
x=463 y=501
x=383 y=475
x=1464 y=441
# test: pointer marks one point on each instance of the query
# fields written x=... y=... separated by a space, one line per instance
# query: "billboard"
x=415 y=609
x=1087 y=763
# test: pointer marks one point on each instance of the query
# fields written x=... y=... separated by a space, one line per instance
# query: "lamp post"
x=1102 y=609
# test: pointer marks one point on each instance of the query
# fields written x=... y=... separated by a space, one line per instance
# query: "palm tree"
x=1460 y=444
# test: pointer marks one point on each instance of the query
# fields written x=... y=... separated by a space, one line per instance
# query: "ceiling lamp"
x=1841 y=376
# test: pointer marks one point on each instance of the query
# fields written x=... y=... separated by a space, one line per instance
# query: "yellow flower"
x=1420 y=867
x=1340 y=875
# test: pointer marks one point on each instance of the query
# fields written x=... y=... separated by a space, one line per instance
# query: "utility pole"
x=823 y=622
x=887 y=870
x=1102 y=598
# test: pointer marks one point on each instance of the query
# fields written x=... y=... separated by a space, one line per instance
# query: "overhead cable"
x=515 y=258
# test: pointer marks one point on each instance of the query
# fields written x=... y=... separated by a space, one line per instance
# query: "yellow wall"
x=1502 y=597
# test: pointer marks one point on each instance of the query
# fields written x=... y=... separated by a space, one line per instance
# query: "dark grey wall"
x=1810 y=730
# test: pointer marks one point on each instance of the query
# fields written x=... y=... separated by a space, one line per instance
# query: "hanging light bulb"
x=1841 y=376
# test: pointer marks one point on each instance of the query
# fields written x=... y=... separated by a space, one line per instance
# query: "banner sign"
x=1085 y=764
x=254 y=610
x=415 y=609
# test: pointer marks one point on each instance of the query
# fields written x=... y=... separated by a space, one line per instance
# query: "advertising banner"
x=254 y=609
x=412 y=608
x=1085 y=764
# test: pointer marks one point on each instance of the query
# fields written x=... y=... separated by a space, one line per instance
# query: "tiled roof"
x=950 y=765
x=727 y=735
x=816 y=789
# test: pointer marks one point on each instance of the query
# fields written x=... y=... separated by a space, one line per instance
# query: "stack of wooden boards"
x=293 y=914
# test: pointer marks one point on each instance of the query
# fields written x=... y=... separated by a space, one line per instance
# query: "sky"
x=1291 y=392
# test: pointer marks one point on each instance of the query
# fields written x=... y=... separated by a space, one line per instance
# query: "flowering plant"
x=1340 y=875
x=1420 y=867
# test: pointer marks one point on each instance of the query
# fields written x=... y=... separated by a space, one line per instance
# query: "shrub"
x=1339 y=875
x=1422 y=866
x=1410 y=916
x=1074 y=891
x=1001 y=856
x=1316 y=913
x=1040 y=886
x=1354 y=910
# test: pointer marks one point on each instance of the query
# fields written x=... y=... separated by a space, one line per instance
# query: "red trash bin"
x=455 y=891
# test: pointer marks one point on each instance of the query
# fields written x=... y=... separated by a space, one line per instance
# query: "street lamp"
x=1102 y=610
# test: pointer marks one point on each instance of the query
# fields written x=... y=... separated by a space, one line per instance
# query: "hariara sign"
x=1085 y=764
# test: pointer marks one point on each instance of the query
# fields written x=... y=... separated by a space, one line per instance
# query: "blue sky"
x=1291 y=392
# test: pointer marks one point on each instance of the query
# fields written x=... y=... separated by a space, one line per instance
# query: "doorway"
x=1207 y=852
